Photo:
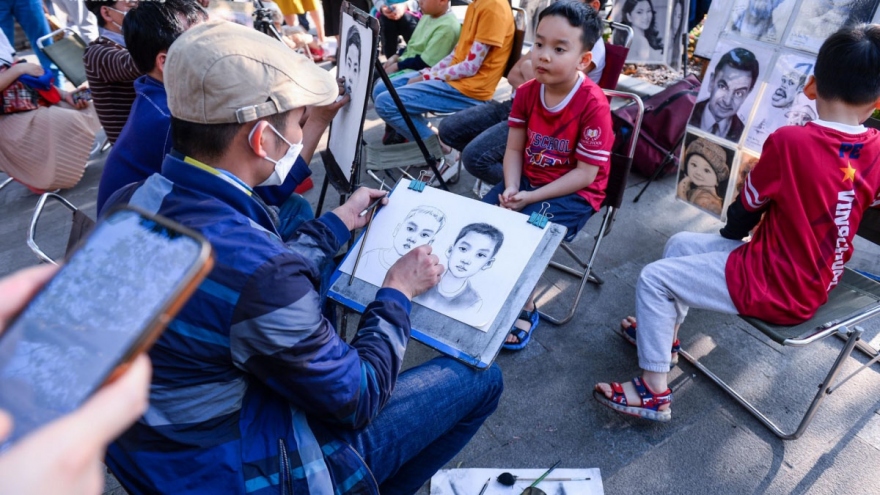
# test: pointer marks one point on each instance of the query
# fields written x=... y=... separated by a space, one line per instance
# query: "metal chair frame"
x=585 y=272
x=38 y=211
x=845 y=327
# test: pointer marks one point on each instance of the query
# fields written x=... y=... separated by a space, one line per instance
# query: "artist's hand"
x=322 y=116
x=65 y=456
x=68 y=97
x=415 y=272
x=349 y=211
x=516 y=201
x=34 y=70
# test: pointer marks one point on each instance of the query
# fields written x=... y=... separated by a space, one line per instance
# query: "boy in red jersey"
x=811 y=185
x=559 y=144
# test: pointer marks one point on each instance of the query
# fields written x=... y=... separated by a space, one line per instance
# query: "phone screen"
x=88 y=318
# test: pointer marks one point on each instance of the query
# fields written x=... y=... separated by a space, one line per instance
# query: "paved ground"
x=546 y=414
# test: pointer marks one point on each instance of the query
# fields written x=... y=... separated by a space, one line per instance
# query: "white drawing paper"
x=483 y=247
x=356 y=66
x=471 y=481
x=719 y=10
x=782 y=101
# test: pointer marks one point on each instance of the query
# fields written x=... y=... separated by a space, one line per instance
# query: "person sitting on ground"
x=146 y=137
x=559 y=144
x=435 y=36
x=480 y=132
x=397 y=19
x=464 y=78
x=110 y=69
x=282 y=398
x=44 y=144
x=811 y=185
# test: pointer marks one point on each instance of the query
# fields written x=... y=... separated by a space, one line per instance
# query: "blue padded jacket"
x=250 y=381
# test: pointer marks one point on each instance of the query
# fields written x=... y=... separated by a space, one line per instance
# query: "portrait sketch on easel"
x=356 y=60
x=648 y=20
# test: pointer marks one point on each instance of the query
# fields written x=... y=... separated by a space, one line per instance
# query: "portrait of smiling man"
x=731 y=82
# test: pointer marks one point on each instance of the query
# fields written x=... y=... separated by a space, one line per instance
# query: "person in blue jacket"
x=253 y=391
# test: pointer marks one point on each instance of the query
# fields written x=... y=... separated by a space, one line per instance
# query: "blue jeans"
x=480 y=133
x=434 y=411
x=28 y=13
x=419 y=98
x=571 y=211
x=399 y=81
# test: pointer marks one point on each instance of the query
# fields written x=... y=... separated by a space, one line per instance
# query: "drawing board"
x=503 y=288
x=483 y=247
x=357 y=56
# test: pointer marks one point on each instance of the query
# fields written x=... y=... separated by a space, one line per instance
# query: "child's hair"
x=353 y=38
x=712 y=153
x=579 y=15
x=651 y=34
x=848 y=65
x=431 y=211
x=482 y=229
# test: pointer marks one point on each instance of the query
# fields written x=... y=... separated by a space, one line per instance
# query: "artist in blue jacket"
x=253 y=391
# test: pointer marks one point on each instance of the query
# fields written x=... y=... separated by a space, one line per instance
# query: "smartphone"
x=84 y=94
x=109 y=302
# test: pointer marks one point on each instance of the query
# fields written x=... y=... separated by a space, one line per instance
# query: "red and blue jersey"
x=578 y=128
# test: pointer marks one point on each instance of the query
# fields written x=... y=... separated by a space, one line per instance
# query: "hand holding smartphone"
x=106 y=305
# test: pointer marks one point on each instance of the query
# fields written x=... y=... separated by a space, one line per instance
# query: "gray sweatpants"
x=690 y=275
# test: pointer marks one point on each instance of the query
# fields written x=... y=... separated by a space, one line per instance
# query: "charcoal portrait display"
x=762 y=20
x=727 y=94
x=357 y=57
x=704 y=173
x=647 y=18
x=678 y=18
x=818 y=19
x=783 y=101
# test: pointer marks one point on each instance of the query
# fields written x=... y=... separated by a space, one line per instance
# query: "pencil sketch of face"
x=792 y=83
x=352 y=58
x=418 y=228
x=473 y=250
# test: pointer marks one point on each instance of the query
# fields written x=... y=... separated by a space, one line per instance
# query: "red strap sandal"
x=651 y=402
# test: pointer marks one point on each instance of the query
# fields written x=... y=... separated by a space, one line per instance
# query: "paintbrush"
x=541 y=478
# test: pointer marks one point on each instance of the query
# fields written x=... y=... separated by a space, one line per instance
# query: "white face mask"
x=284 y=164
x=123 y=15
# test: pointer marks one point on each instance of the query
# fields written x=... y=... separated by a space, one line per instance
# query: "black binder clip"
x=540 y=218
x=418 y=185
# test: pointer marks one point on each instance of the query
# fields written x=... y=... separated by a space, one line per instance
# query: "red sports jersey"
x=579 y=128
x=816 y=182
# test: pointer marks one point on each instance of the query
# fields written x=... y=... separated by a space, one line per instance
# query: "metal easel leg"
x=430 y=160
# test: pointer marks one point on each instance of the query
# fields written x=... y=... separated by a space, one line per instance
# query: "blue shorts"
x=570 y=211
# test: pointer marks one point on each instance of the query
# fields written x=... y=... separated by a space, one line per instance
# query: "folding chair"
x=617 y=176
x=381 y=158
x=66 y=50
x=81 y=225
x=615 y=56
x=854 y=300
